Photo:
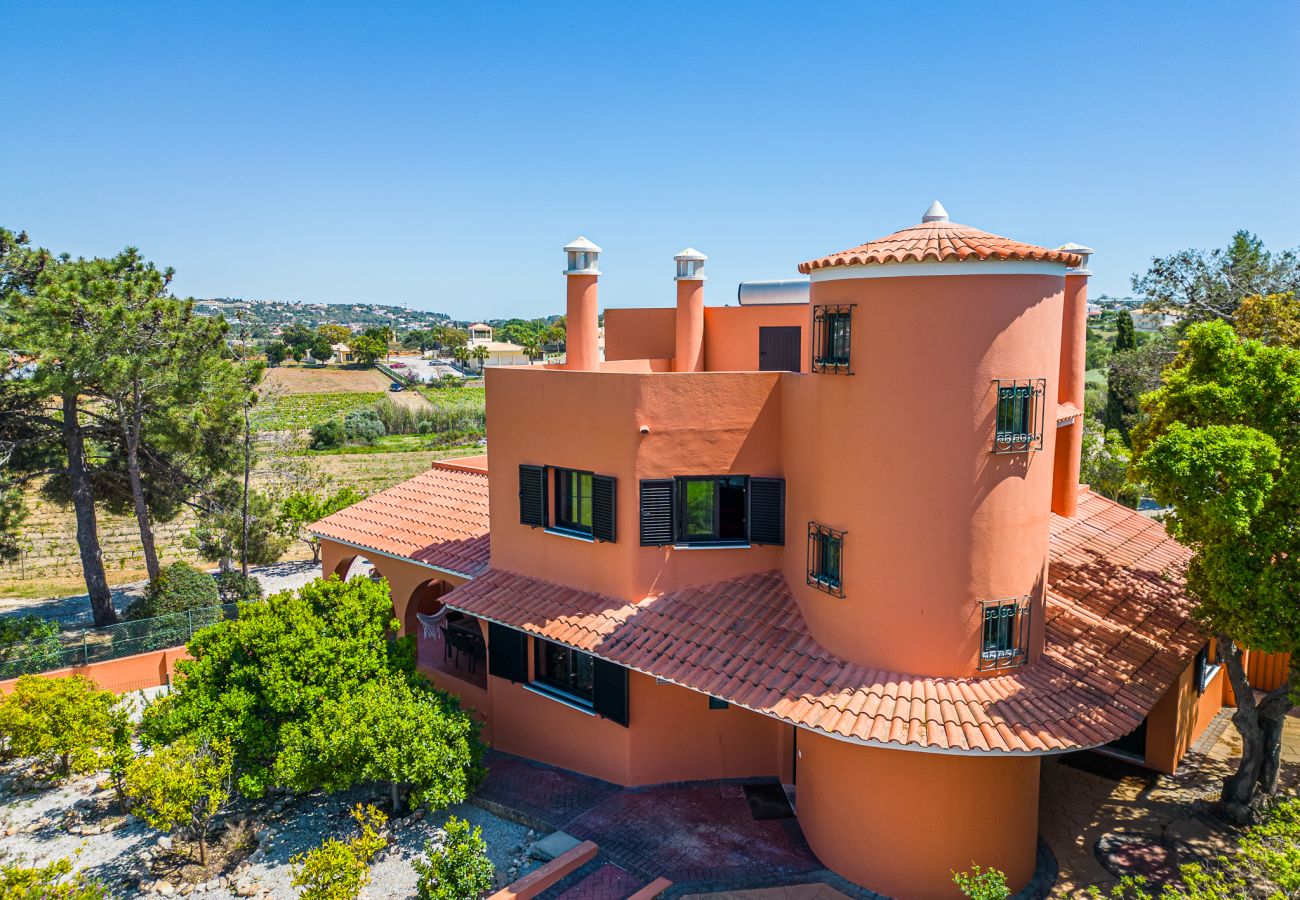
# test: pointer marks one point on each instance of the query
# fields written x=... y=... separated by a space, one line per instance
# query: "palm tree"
x=532 y=346
x=480 y=356
x=461 y=355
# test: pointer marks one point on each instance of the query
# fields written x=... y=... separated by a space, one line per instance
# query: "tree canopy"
x=262 y=680
x=1221 y=446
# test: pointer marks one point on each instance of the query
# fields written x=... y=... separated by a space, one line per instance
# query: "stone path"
x=1077 y=807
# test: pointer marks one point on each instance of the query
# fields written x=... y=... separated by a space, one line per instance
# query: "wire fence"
x=81 y=647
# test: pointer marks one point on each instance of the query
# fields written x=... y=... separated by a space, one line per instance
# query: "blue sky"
x=441 y=154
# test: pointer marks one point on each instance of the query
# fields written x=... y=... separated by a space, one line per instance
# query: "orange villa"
x=835 y=536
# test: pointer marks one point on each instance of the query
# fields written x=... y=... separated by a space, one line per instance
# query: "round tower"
x=921 y=448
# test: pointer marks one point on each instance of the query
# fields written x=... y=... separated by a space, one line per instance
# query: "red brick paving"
x=609 y=882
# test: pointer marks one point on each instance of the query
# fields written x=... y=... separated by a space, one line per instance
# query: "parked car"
x=395 y=387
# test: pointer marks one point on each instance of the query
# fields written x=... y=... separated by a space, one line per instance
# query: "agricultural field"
x=322 y=380
x=297 y=412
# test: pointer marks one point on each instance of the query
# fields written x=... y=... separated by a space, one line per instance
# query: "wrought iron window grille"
x=1004 y=640
x=832 y=339
x=825 y=559
x=1020 y=411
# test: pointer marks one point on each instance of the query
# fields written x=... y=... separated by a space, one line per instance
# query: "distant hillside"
x=263 y=315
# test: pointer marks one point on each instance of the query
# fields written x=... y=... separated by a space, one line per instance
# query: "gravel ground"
x=42 y=826
x=74 y=611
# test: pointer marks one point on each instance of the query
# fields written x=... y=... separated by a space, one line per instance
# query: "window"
x=1207 y=666
x=831 y=339
x=564 y=669
x=712 y=510
x=717 y=703
x=573 y=500
x=1019 y=427
x=825 y=557
x=1005 y=641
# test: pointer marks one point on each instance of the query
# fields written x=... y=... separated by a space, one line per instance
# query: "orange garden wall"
x=129 y=673
x=935 y=522
x=901 y=822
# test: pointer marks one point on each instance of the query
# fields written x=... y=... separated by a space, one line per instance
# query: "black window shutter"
x=1202 y=666
x=604 y=510
x=507 y=653
x=610 y=690
x=532 y=496
x=656 y=512
x=767 y=511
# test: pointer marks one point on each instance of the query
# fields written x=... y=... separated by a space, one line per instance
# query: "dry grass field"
x=324 y=380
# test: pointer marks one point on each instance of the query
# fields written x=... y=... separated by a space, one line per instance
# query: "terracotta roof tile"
x=1118 y=634
x=438 y=518
x=938 y=242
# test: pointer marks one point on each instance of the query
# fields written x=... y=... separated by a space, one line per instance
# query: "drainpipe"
x=1074 y=339
x=582 y=312
x=689 y=355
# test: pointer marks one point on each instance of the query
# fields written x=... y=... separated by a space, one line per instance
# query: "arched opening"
x=355 y=566
x=425 y=600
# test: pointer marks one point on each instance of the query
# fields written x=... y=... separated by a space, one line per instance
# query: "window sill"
x=575 y=535
x=715 y=545
x=560 y=697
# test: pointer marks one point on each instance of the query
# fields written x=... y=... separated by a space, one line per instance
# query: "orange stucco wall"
x=901 y=822
x=648 y=333
x=731 y=334
x=898 y=455
x=699 y=423
x=129 y=673
x=1180 y=717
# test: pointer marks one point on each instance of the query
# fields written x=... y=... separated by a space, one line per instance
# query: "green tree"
x=54 y=881
x=64 y=723
x=298 y=339
x=276 y=353
x=1130 y=375
x=335 y=334
x=1125 y=335
x=28 y=641
x=276 y=664
x=339 y=870
x=1105 y=465
x=532 y=345
x=367 y=349
x=179 y=588
x=411 y=737
x=301 y=509
x=461 y=355
x=219 y=534
x=459 y=869
x=320 y=348
x=480 y=354
x=1220 y=446
x=1271 y=318
x=183 y=785
x=1202 y=286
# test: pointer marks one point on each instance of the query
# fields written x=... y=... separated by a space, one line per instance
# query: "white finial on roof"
x=936 y=213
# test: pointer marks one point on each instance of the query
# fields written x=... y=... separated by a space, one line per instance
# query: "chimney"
x=581 y=311
x=689 y=355
x=1070 y=381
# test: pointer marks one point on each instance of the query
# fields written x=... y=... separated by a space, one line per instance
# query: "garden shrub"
x=66 y=724
x=364 y=426
x=982 y=884
x=183 y=785
x=180 y=587
x=55 y=881
x=275 y=666
x=459 y=869
x=233 y=586
x=328 y=435
x=338 y=870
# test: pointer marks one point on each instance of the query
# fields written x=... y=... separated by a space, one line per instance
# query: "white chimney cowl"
x=936 y=213
x=582 y=255
x=690 y=262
